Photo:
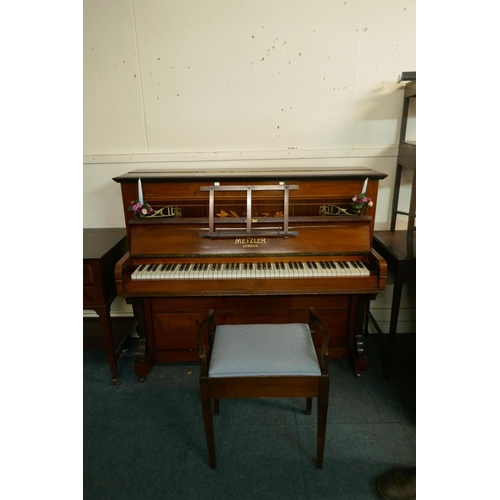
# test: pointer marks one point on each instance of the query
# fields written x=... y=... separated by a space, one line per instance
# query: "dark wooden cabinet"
x=102 y=248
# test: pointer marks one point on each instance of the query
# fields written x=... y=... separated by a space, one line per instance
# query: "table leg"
x=393 y=326
x=106 y=329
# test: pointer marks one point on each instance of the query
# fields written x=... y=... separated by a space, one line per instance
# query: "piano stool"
x=102 y=249
x=399 y=252
x=263 y=360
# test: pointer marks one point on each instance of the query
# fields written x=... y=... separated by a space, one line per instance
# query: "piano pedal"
x=116 y=381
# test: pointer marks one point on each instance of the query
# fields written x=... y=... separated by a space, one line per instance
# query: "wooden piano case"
x=210 y=225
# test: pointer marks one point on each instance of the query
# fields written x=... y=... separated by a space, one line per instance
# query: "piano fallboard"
x=315 y=236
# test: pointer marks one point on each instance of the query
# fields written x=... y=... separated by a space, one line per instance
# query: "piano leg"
x=357 y=350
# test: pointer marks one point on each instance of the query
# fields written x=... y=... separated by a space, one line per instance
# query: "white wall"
x=282 y=83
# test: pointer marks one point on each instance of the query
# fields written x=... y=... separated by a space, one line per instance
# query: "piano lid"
x=255 y=174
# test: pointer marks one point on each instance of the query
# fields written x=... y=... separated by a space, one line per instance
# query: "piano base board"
x=168 y=325
x=144 y=364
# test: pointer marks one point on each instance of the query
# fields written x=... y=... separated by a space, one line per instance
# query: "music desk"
x=398 y=249
x=102 y=248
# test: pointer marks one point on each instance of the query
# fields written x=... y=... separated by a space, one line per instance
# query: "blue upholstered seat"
x=277 y=360
x=263 y=350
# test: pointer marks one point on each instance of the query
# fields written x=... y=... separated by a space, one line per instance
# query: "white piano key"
x=341 y=270
x=155 y=272
x=355 y=269
x=364 y=270
x=347 y=268
x=148 y=272
x=136 y=275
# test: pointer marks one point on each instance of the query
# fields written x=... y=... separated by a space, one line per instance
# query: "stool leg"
x=324 y=388
x=208 y=422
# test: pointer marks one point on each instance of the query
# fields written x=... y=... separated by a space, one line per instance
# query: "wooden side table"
x=401 y=262
x=102 y=248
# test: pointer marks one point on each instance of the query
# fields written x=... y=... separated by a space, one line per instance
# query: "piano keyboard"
x=250 y=270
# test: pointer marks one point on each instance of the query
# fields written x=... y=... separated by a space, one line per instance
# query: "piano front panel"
x=175 y=320
x=304 y=201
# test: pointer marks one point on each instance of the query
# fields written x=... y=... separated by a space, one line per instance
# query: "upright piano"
x=256 y=246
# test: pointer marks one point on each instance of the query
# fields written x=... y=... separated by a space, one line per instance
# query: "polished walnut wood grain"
x=170 y=311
